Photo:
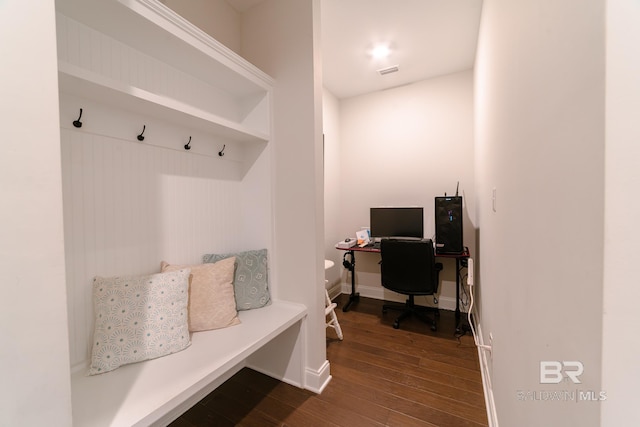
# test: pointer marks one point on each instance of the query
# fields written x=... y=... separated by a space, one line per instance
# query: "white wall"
x=403 y=147
x=281 y=37
x=332 y=187
x=540 y=142
x=622 y=177
x=215 y=17
x=34 y=356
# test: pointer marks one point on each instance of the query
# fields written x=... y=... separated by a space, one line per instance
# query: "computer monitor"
x=397 y=222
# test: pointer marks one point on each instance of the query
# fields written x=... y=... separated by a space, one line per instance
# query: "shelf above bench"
x=151 y=27
x=80 y=82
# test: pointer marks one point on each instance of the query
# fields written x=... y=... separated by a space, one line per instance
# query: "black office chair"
x=408 y=267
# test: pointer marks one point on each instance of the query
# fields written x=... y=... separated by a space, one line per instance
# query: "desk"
x=351 y=266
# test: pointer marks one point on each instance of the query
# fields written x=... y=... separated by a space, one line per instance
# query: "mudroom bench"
x=156 y=392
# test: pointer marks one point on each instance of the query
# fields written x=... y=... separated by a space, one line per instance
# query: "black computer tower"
x=448 y=215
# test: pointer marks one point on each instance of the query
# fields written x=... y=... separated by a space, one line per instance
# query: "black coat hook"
x=187 y=146
x=78 y=123
x=141 y=137
x=221 y=152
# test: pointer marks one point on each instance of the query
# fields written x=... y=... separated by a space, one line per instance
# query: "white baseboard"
x=377 y=292
x=492 y=415
x=316 y=381
x=335 y=290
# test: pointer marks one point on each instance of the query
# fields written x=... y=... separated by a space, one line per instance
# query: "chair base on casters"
x=410 y=308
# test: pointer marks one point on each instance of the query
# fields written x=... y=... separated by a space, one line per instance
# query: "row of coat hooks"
x=140 y=137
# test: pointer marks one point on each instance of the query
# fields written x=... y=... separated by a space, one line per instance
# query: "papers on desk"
x=363 y=237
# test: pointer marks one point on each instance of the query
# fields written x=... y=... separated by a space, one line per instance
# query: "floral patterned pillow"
x=250 y=280
x=138 y=318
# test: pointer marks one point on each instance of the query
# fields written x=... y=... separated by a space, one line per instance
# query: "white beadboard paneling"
x=100 y=119
x=61 y=37
x=65 y=156
x=96 y=59
x=84 y=47
x=114 y=49
x=128 y=206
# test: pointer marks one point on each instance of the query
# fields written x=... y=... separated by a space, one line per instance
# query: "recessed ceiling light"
x=381 y=51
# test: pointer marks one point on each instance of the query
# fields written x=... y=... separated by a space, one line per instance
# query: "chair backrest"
x=408 y=266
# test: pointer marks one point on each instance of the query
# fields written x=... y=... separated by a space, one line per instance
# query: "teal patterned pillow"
x=250 y=279
x=138 y=318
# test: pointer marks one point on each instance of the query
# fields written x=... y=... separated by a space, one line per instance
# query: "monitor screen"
x=397 y=222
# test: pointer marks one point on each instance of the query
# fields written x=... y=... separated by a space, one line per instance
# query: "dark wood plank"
x=380 y=377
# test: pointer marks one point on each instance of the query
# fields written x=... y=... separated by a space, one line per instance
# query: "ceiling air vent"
x=388 y=70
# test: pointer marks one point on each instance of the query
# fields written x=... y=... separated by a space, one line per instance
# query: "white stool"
x=330 y=306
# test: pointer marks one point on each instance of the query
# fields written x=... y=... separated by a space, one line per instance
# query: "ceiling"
x=427 y=38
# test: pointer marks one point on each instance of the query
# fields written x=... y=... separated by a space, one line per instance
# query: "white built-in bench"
x=156 y=392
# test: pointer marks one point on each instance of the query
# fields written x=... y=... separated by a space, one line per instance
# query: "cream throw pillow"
x=212 y=303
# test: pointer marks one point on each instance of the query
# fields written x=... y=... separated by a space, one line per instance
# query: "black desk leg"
x=354 y=297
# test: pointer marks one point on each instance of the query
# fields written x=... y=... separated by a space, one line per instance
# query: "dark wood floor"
x=381 y=376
